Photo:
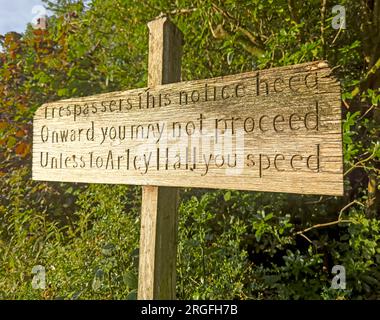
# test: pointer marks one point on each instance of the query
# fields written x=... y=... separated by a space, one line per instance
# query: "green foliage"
x=231 y=245
x=211 y=262
x=93 y=255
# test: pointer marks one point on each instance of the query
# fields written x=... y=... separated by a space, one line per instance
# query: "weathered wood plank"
x=282 y=125
x=159 y=216
x=158 y=243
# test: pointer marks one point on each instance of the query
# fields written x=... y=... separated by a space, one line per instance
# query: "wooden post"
x=159 y=216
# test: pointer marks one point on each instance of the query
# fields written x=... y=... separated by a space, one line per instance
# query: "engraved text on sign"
x=273 y=130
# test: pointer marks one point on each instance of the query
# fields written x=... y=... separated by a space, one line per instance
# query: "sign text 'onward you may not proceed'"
x=273 y=130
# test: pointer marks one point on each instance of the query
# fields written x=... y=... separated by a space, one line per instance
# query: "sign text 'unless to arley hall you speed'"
x=271 y=130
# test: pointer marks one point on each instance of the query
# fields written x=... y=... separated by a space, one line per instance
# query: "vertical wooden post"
x=159 y=217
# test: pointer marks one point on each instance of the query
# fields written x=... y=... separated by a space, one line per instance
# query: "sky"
x=15 y=14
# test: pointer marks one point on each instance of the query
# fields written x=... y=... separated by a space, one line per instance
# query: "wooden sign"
x=270 y=130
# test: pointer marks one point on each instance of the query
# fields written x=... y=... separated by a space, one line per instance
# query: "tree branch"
x=321 y=225
x=361 y=162
x=327 y=224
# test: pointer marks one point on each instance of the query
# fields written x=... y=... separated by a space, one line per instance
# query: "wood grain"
x=281 y=117
x=159 y=205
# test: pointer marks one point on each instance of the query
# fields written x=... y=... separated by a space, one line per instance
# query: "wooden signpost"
x=276 y=130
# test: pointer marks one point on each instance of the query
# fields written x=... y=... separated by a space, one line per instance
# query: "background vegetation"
x=244 y=245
